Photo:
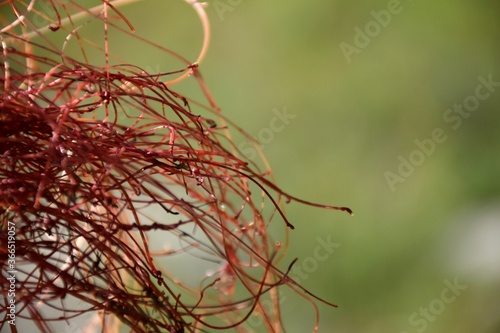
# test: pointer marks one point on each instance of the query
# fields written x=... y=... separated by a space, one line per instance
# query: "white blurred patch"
x=472 y=247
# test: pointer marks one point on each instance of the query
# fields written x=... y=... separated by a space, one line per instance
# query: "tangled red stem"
x=100 y=167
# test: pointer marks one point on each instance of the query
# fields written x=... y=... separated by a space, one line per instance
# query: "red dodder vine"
x=106 y=173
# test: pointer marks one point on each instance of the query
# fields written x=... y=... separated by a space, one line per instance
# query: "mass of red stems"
x=87 y=154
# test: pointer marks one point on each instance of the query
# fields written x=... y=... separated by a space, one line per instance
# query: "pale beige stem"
x=97 y=10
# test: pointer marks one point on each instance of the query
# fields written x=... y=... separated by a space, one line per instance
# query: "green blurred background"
x=354 y=117
x=353 y=121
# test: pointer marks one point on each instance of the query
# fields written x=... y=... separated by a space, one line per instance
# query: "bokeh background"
x=353 y=119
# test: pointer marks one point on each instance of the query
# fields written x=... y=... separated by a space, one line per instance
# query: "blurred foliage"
x=352 y=122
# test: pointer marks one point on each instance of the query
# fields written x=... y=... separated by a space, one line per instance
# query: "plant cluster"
x=100 y=166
